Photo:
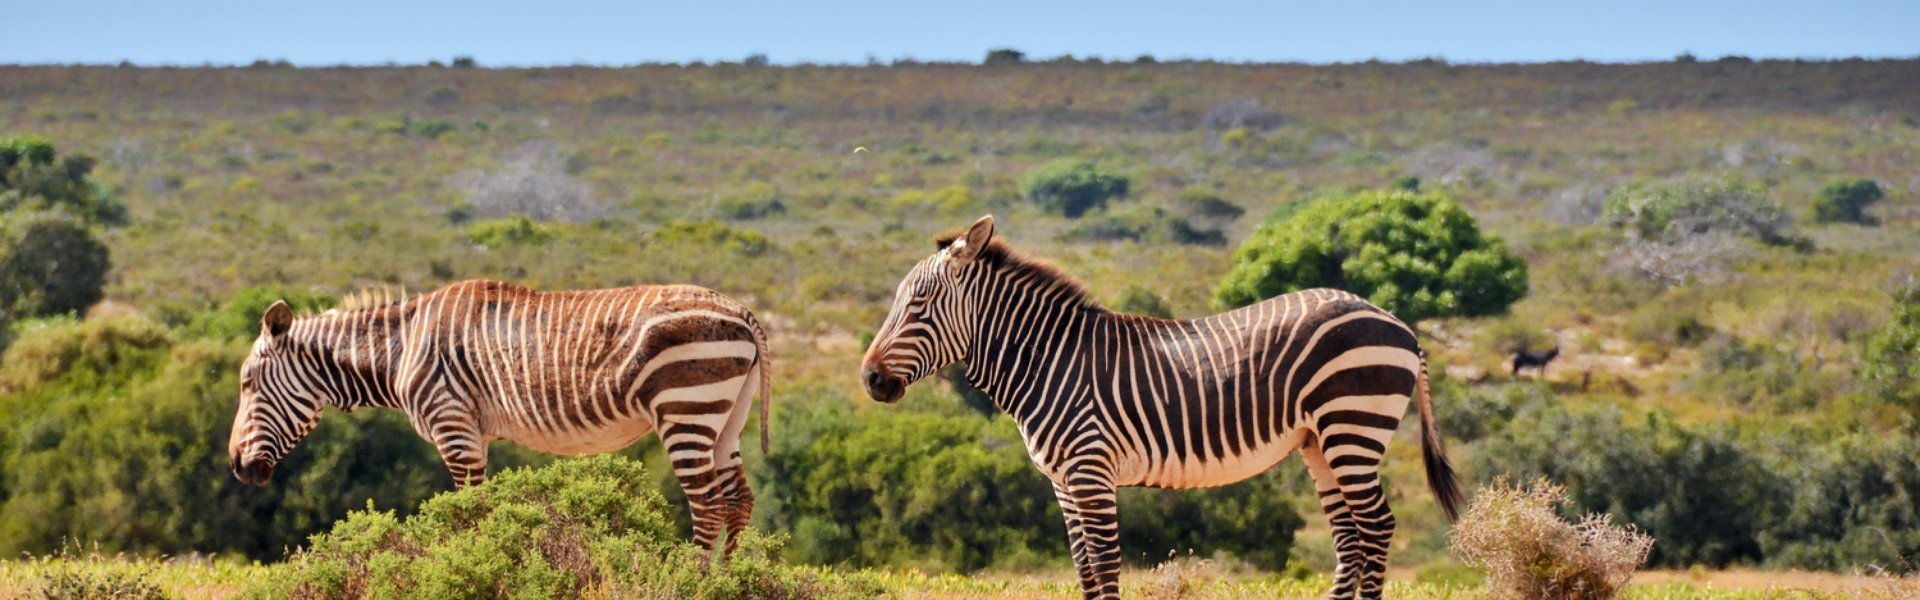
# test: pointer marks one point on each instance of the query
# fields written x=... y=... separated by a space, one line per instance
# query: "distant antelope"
x=1105 y=399
x=1538 y=360
x=574 y=372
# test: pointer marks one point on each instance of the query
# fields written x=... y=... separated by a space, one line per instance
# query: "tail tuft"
x=1440 y=477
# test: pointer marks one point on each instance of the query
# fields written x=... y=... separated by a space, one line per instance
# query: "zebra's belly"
x=589 y=440
x=1193 y=472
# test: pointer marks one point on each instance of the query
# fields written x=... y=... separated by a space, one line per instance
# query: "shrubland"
x=1736 y=372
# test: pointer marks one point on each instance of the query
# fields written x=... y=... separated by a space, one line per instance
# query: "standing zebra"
x=1105 y=399
x=573 y=372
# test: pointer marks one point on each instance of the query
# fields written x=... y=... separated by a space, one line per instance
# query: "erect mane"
x=1014 y=262
x=370 y=298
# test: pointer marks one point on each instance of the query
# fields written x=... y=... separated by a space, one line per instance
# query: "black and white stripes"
x=1106 y=399
x=576 y=372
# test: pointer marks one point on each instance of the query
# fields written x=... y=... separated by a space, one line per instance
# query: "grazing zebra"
x=573 y=372
x=1105 y=399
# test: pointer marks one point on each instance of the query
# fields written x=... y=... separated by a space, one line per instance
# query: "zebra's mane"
x=372 y=297
x=1014 y=262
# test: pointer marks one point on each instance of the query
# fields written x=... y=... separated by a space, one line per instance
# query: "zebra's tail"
x=1439 y=471
x=764 y=362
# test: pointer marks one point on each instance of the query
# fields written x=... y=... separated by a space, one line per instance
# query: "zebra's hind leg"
x=1348 y=562
x=690 y=450
x=739 y=499
x=1354 y=461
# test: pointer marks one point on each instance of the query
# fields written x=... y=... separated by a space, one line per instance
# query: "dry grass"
x=1528 y=551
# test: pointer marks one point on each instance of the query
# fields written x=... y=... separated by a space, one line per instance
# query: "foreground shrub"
x=1529 y=552
x=1419 y=256
x=1891 y=364
x=1072 y=186
x=592 y=526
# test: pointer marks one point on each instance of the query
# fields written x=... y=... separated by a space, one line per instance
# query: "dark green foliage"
x=583 y=525
x=1406 y=183
x=32 y=180
x=432 y=128
x=1142 y=224
x=1671 y=211
x=1846 y=200
x=1203 y=204
x=896 y=488
x=1142 y=301
x=1856 y=502
x=77 y=584
x=758 y=202
x=112 y=431
x=1253 y=520
x=464 y=62
x=1419 y=256
x=1004 y=56
x=1070 y=186
x=956 y=377
x=1891 y=363
x=516 y=230
x=1702 y=492
x=50 y=264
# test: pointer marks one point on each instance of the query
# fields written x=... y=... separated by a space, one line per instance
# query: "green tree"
x=1419 y=256
x=1891 y=364
x=33 y=177
x=1072 y=186
x=50 y=264
x=1142 y=301
x=1846 y=200
x=1004 y=56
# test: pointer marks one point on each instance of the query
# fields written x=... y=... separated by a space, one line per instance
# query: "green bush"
x=113 y=432
x=1703 y=492
x=1846 y=200
x=33 y=178
x=714 y=235
x=1891 y=363
x=1004 y=56
x=1151 y=225
x=52 y=264
x=238 y=318
x=1072 y=186
x=1419 y=256
x=1253 y=520
x=1674 y=210
x=584 y=525
x=1142 y=301
x=1856 y=503
x=759 y=201
x=516 y=230
x=1203 y=204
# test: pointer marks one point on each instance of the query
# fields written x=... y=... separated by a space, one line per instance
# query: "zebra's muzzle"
x=882 y=386
x=254 y=472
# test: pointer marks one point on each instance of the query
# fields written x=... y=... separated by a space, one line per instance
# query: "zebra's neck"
x=351 y=356
x=1027 y=352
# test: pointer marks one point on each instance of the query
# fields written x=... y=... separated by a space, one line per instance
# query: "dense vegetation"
x=1736 y=380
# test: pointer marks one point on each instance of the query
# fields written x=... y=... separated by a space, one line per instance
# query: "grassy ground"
x=215 y=579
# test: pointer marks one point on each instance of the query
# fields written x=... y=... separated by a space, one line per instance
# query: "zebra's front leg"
x=1092 y=509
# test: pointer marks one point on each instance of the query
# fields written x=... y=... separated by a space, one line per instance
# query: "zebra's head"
x=931 y=323
x=277 y=407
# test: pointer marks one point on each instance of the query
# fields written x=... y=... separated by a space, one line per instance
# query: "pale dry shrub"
x=531 y=181
x=1181 y=577
x=1528 y=551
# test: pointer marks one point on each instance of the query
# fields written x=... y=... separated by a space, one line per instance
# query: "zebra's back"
x=589 y=371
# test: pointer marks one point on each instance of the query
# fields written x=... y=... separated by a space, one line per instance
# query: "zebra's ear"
x=277 y=319
x=965 y=249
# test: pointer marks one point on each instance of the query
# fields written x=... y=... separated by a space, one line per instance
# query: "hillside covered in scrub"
x=1737 y=313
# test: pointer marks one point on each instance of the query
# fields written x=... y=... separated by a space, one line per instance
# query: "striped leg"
x=1096 y=507
x=690 y=449
x=1356 y=466
x=1076 y=543
x=739 y=498
x=450 y=426
x=1346 y=537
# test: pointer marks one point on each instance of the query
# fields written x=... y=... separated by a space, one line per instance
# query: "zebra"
x=568 y=372
x=1105 y=399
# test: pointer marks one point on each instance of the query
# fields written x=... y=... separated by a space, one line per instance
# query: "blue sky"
x=563 y=32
